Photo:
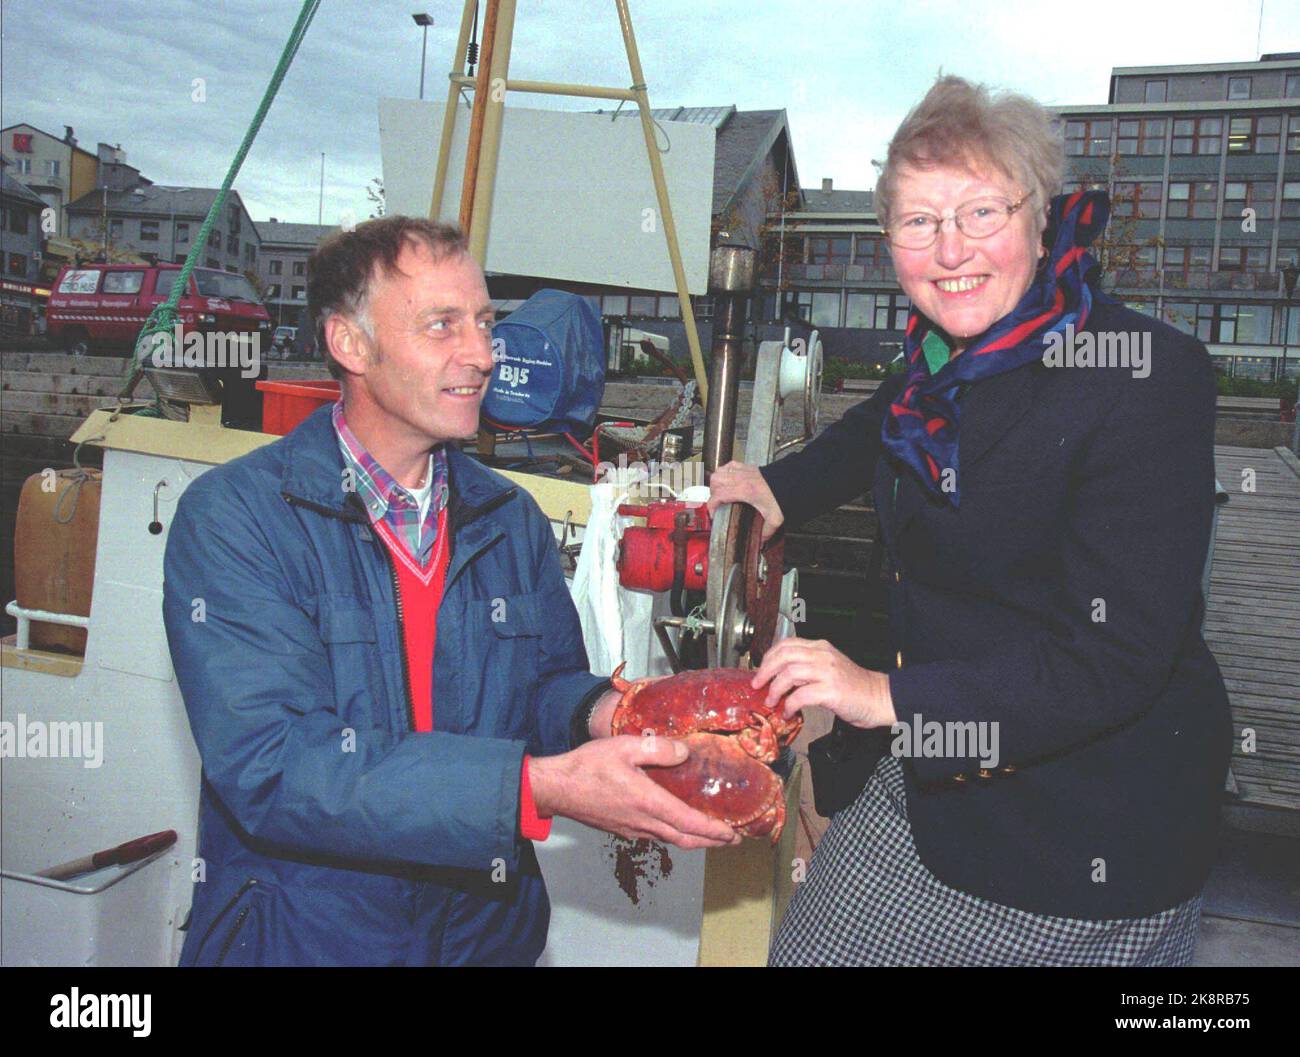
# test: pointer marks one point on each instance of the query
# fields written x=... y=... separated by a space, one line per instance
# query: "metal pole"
x=732 y=271
x=449 y=111
x=661 y=193
x=424 y=47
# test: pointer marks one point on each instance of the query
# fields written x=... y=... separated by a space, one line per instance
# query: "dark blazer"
x=1081 y=488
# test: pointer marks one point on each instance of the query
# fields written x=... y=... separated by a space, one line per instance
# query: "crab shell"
x=716 y=700
x=725 y=782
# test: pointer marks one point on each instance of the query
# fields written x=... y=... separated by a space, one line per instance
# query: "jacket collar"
x=313 y=476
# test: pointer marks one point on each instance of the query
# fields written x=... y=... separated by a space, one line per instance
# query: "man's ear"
x=348 y=343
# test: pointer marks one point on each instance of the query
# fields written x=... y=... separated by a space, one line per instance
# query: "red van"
x=103 y=306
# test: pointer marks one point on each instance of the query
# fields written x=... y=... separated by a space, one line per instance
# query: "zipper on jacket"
x=226 y=910
x=230 y=940
x=401 y=637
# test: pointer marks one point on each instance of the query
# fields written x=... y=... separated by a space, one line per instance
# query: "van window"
x=166 y=280
x=123 y=282
x=83 y=281
x=233 y=287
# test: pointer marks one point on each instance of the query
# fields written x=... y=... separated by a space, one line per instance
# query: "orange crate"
x=285 y=404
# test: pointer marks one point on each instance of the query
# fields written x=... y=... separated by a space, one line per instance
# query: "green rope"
x=163 y=318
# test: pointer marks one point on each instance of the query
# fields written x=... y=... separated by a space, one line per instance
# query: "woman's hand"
x=821 y=675
x=738 y=483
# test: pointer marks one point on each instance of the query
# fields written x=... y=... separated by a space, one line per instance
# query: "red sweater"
x=420 y=592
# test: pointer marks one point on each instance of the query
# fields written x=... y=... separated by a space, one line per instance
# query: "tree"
x=375 y=192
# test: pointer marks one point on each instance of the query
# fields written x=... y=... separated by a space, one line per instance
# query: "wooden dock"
x=1252 y=618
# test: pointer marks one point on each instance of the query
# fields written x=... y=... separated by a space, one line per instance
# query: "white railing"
x=25 y=617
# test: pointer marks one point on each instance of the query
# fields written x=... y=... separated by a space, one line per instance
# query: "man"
x=382 y=668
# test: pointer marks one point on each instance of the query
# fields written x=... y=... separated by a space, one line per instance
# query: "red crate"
x=285 y=404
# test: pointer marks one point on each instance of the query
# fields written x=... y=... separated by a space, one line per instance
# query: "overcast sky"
x=122 y=71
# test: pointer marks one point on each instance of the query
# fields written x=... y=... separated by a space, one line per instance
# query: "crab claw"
x=620 y=684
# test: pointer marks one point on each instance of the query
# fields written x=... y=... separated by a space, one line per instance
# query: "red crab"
x=725 y=782
x=709 y=700
x=732 y=735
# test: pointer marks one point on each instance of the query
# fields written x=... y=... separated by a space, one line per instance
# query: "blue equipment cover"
x=550 y=365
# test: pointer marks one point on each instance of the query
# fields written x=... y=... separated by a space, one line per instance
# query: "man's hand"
x=821 y=675
x=601 y=784
x=737 y=482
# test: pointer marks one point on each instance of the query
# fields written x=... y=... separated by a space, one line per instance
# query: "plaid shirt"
x=387 y=500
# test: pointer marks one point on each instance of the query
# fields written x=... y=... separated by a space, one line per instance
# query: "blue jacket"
x=1081 y=488
x=330 y=832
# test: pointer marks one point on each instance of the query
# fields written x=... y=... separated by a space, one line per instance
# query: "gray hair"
x=966 y=125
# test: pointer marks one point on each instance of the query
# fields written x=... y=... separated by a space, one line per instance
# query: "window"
x=1193 y=200
x=234 y=220
x=670 y=307
x=275 y=267
x=1243 y=258
x=212 y=262
x=637 y=305
x=233 y=246
x=214 y=240
x=148 y=231
x=299 y=292
x=1197 y=135
x=891 y=311
x=80 y=281
x=1291 y=199
x=299 y=267
x=17 y=264
x=273 y=290
x=1137 y=199
x=1156 y=91
x=1293 y=134
x=1224 y=324
x=250 y=253
x=1254 y=135
x=1239 y=195
x=871 y=251
x=828 y=249
x=1087 y=138
x=825 y=309
x=115 y=228
x=1238 y=87
x=1145 y=137
x=1180 y=261
x=52 y=167
x=610 y=304
x=183 y=231
x=24 y=166
x=123 y=282
x=860 y=310
x=1293 y=85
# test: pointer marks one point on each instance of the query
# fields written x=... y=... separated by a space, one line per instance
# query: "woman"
x=1051 y=791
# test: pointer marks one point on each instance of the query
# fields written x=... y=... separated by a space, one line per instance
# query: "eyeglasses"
x=977 y=219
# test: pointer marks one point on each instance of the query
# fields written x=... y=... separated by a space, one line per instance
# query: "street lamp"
x=425 y=21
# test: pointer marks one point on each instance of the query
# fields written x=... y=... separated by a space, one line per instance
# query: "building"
x=282 y=267
x=56 y=170
x=827 y=264
x=20 y=254
x=160 y=223
x=1203 y=167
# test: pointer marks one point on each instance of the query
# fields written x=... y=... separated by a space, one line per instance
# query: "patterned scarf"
x=921 y=427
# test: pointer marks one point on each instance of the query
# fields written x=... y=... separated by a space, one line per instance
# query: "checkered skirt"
x=869 y=900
